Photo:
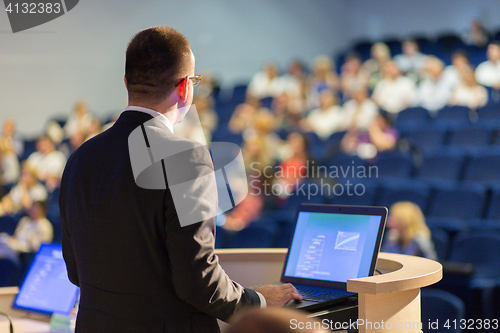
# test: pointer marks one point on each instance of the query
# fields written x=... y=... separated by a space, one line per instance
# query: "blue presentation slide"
x=332 y=247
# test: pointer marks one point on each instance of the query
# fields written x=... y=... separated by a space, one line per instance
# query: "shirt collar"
x=161 y=117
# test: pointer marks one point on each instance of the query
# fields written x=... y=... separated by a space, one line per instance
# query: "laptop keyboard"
x=319 y=295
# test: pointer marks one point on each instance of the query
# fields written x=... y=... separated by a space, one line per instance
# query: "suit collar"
x=133 y=117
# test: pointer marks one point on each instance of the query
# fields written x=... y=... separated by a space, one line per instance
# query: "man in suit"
x=138 y=269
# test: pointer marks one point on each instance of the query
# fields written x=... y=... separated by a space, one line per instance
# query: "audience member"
x=488 y=72
x=469 y=93
x=360 y=111
x=31 y=231
x=266 y=83
x=47 y=162
x=379 y=54
x=243 y=115
x=411 y=61
x=9 y=167
x=80 y=120
x=9 y=141
x=198 y=126
x=95 y=128
x=327 y=119
x=352 y=75
x=274 y=320
x=394 y=92
x=476 y=35
x=451 y=73
x=408 y=233
x=21 y=197
x=294 y=81
x=433 y=93
x=294 y=165
x=323 y=76
x=380 y=136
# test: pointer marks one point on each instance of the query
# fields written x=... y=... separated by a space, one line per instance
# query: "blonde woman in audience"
x=9 y=141
x=433 y=93
x=31 y=231
x=243 y=115
x=327 y=119
x=394 y=92
x=323 y=76
x=469 y=93
x=21 y=197
x=80 y=120
x=408 y=233
x=379 y=54
x=266 y=83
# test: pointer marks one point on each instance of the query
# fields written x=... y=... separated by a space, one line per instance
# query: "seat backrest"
x=441 y=306
x=482 y=250
x=462 y=202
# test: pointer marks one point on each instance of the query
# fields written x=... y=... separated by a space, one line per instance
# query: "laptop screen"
x=333 y=246
x=46 y=288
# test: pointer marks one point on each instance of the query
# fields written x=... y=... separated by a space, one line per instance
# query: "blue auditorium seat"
x=458 y=202
x=442 y=163
x=489 y=112
x=239 y=93
x=8 y=224
x=494 y=205
x=259 y=234
x=416 y=113
x=221 y=237
x=471 y=136
x=223 y=134
x=428 y=136
x=455 y=114
x=29 y=148
x=394 y=165
x=9 y=272
x=266 y=102
x=441 y=306
x=356 y=192
x=483 y=166
x=224 y=112
x=345 y=164
x=441 y=240
x=404 y=190
x=452 y=225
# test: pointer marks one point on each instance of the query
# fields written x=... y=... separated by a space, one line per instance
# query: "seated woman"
x=468 y=92
x=408 y=233
x=31 y=232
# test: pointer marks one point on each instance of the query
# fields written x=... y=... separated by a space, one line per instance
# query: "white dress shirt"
x=488 y=73
x=160 y=116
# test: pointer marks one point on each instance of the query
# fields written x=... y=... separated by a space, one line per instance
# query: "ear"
x=182 y=89
x=125 y=81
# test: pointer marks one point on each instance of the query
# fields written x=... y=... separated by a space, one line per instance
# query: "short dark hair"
x=156 y=60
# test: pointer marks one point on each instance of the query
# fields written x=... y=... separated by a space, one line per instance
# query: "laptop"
x=46 y=289
x=330 y=245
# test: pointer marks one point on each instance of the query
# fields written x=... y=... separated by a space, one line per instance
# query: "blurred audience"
x=352 y=75
x=266 y=83
x=476 y=35
x=80 y=120
x=327 y=119
x=394 y=92
x=47 y=162
x=323 y=76
x=31 y=231
x=433 y=92
x=9 y=167
x=451 y=73
x=411 y=61
x=379 y=54
x=21 y=196
x=488 y=72
x=408 y=233
x=10 y=141
x=468 y=92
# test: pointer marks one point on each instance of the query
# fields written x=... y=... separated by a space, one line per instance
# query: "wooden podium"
x=386 y=302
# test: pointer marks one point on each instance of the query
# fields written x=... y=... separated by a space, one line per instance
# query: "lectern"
x=386 y=302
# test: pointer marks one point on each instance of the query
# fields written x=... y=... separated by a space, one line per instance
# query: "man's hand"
x=279 y=295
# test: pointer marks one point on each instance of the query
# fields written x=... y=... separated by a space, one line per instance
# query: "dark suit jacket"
x=137 y=269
